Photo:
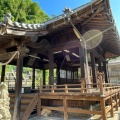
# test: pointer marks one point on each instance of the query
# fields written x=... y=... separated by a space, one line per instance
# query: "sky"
x=55 y=7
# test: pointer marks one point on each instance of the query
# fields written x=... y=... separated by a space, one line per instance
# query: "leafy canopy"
x=24 y=11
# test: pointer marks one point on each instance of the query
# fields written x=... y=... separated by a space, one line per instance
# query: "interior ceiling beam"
x=40 y=50
x=68 y=45
x=7 y=56
x=9 y=44
x=93 y=15
x=97 y=54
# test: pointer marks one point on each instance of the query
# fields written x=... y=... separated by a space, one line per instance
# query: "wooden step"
x=23 y=101
x=31 y=95
x=23 y=107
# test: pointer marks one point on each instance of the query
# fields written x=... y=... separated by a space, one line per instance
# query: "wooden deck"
x=67 y=98
x=108 y=95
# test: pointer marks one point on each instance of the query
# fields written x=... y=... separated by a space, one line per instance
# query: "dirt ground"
x=96 y=117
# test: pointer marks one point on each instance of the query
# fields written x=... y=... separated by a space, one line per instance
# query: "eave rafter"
x=100 y=9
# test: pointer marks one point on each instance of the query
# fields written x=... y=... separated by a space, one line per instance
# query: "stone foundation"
x=4 y=102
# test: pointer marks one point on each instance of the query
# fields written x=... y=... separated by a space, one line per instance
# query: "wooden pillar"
x=18 y=87
x=103 y=109
x=3 y=73
x=119 y=98
x=105 y=71
x=66 y=75
x=99 y=65
x=43 y=76
x=65 y=104
x=81 y=54
x=93 y=66
x=39 y=106
x=112 y=109
x=51 y=67
x=33 y=79
x=99 y=60
x=58 y=74
x=116 y=102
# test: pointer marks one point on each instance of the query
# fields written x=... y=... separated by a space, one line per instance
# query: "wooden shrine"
x=53 y=44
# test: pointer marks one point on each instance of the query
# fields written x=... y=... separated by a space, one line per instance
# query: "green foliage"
x=38 y=77
x=23 y=11
x=10 y=68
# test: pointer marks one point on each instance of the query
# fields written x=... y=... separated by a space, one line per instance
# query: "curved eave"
x=94 y=15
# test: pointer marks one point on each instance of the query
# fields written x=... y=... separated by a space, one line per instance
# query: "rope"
x=61 y=65
x=17 y=52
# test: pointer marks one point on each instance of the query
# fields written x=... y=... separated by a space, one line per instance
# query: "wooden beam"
x=3 y=73
x=18 y=87
x=26 y=33
x=7 y=56
x=48 y=96
x=67 y=45
x=97 y=55
x=52 y=108
x=93 y=15
x=77 y=110
x=8 y=44
x=85 y=97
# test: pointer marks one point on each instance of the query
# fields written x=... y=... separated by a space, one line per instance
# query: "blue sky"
x=55 y=7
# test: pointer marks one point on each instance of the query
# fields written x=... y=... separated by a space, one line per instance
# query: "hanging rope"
x=61 y=65
x=16 y=53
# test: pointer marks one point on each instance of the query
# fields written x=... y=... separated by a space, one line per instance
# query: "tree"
x=24 y=11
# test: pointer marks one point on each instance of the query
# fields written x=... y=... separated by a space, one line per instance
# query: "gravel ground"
x=59 y=116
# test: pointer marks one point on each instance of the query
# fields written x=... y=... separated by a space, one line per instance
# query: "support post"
x=43 y=76
x=58 y=74
x=18 y=87
x=65 y=104
x=81 y=54
x=33 y=79
x=39 y=106
x=111 y=111
x=99 y=65
x=105 y=71
x=3 y=73
x=119 y=98
x=93 y=66
x=116 y=102
x=103 y=109
x=51 y=67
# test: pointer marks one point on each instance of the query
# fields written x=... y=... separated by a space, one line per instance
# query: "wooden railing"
x=104 y=93
x=100 y=89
